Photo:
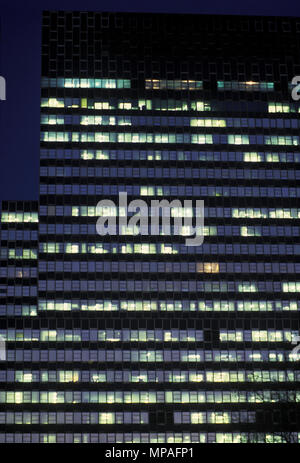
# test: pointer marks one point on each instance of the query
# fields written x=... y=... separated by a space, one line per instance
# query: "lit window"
x=208 y=267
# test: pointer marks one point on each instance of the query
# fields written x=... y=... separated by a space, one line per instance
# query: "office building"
x=141 y=338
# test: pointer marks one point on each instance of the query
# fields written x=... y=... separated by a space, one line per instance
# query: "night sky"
x=20 y=45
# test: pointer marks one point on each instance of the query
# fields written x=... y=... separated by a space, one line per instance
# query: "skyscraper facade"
x=129 y=337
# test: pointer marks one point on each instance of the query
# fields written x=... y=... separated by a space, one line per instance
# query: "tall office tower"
x=141 y=338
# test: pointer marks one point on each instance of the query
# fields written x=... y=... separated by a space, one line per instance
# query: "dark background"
x=20 y=44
